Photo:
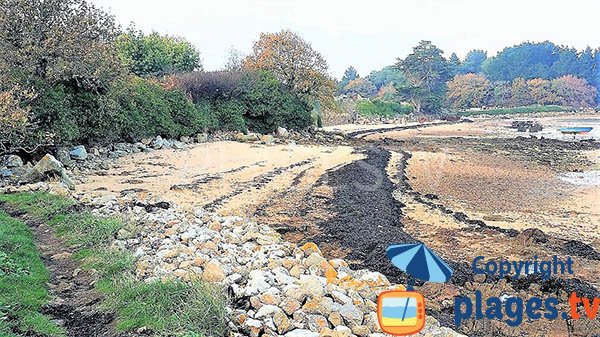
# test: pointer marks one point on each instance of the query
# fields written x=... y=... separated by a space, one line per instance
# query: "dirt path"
x=74 y=301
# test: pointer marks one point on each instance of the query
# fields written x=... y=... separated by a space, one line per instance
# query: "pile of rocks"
x=526 y=126
x=12 y=171
x=276 y=287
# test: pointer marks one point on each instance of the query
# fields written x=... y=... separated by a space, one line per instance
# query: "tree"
x=468 y=91
x=543 y=60
x=574 y=92
x=361 y=87
x=68 y=41
x=426 y=71
x=520 y=93
x=527 y=60
x=453 y=65
x=540 y=91
x=388 y=75
x=586 y=65
x=566 y=63
x=156 y=55
x=473 y=61
x=387 y=92
x=293 y=61
x=349 y=75
x=596 y=69
x=502 y=94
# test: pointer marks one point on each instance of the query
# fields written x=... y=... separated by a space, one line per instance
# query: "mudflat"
x=464 y=189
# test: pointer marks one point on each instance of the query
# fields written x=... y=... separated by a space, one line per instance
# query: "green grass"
x=40 y=204
x=85 y=229
x=517 y=110
x=168 y=308
x=108 y=262
x=23 y=279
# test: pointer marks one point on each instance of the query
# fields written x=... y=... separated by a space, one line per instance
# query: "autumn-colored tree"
x=574 y=92
x=15 y=120
x=520 y=93
x=361 y=87
x=294 y=62
x=67 y=41
x=468 y=91
x=540 y=91
x=387 y=91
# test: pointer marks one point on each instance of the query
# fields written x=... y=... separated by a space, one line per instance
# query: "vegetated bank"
x=93 y=285
x=516 y=110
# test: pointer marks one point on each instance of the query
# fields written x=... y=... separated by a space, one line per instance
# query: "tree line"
x=69 y=74
x=529 y=73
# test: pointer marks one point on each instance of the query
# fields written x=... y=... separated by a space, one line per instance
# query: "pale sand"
x=239 y=171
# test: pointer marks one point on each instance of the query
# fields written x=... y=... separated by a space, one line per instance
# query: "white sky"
x=366 y=34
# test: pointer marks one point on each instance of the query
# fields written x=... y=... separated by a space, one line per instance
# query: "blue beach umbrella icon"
x=419 y=262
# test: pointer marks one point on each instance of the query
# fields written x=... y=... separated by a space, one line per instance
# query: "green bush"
x=229 y=115
x=269 y=105
x=53 y=113
x=132 y=109
x=377 y=107
x=146 y=109
x=242 y=101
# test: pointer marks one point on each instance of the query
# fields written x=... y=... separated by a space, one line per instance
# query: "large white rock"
x=302 y=333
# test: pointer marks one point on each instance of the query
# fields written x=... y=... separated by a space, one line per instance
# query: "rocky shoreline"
x=275 y=287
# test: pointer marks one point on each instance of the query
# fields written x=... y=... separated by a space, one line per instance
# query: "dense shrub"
x=132 y=109
x=228 y=114
x=378 y=107
x=269 y=104
x=242 y=101
x=147 y=109
x=53 y=112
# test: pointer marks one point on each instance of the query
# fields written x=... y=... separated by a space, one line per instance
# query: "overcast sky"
x=366 y=34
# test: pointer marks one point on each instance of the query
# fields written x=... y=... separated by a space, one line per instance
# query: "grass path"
x=86 y=283
x=23 y=279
